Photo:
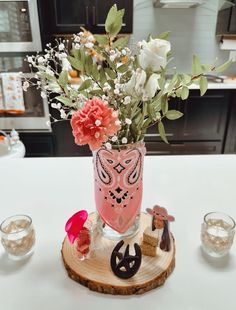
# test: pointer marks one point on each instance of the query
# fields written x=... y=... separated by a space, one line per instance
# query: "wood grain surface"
x=96 y=274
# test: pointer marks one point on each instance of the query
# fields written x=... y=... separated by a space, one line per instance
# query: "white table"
x=51 y=190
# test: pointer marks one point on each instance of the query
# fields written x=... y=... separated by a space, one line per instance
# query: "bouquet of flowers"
x=120 y=92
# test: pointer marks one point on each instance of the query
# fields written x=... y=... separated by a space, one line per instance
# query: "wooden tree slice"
x=96 y=274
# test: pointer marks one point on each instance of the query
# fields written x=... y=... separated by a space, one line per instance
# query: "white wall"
x=191 y=31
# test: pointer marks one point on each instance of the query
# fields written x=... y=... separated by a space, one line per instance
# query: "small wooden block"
x=148 y=249
x=150 y=237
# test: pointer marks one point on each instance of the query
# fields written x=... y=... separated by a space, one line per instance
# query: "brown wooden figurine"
x=160 y=220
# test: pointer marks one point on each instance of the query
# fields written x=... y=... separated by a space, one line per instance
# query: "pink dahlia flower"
x=94 y=123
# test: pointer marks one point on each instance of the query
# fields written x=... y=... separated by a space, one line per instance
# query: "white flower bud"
x=127 y=100
x=76 y=39
x=89 y=45
x=108 y=145
x=41 y=60
x=116 y=91
x=124 y=140
x=98 y=122
x=61 y=47
x=128 y=121
x=112 y=57
x=114 y=139
x=114 y=114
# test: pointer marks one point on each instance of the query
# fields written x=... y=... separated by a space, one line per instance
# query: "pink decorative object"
x=83 y=242
x=94 y=123
x=75 y=224
x=160 y=213
x=119 y=184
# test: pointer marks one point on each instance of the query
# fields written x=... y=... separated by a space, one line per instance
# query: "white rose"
x=153 y=54
x=136 y=83
x=152 y=85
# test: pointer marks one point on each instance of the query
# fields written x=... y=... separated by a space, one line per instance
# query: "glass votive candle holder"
x=217 y=233
x=18 y=236
x=84 y=241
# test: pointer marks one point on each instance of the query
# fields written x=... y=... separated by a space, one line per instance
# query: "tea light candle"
x=18 y=236
x=217 y=233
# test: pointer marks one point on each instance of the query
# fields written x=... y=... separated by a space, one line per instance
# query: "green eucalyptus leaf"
x=196 y=65
x=123 y=68
x=63 y=78
x=162 y=133
x=95 y=72
x=103 y=78
x=173 y=114
x=111 y=17
x=203 y=85
x=186 y=78
x=101 y=39
x=121 y=42
x=146 y=123
x=178 y=92
x=76 y=53
x=164 y=104
x=224 y=66
x=82 y=55
x=172 y=83
x=112 y=64
x=88 y=64
x=65 y=101
x=184 y=93
x=110 y=73
x=85 y=85
x=114 y=20
x=206 y=68
x=151 y=111
x=47 y=77
x=163 y=35
x=111 y=83
x=75 y=63
x=96 y=92
x=161 y=82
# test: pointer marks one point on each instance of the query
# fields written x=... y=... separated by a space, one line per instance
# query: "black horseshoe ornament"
x=125 y=265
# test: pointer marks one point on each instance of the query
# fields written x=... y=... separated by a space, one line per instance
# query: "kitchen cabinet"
x=226 y=20
x=230 y=140
x=38 y=144
x=200 y=131
x=66 y=17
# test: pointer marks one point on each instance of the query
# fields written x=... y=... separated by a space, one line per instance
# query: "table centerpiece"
x=118 y=94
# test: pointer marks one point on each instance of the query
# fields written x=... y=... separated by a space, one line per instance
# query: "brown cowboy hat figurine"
x=161 y=219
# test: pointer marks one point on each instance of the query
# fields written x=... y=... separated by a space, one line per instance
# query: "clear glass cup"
x=18 y=236
x=217 y=233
